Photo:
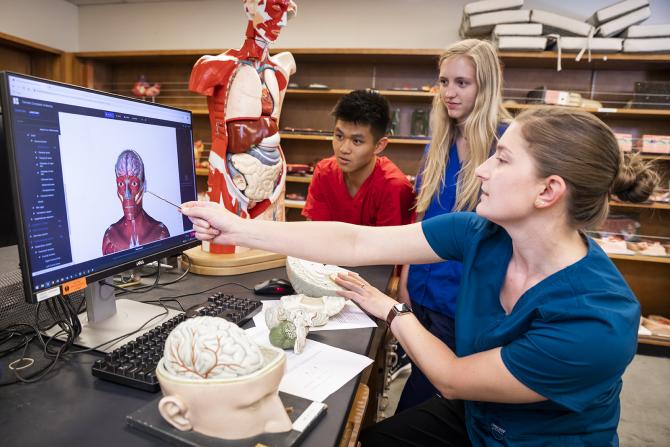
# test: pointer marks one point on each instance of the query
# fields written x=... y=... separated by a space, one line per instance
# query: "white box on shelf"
x=656 y=144
x=625 y=141
x=480 y=24
x=521 y=43
x=616 y=10
x=648 y=31
x=490 y=5
x=556 y=23
x=518 y=29
x=618 y=25
x=598 y=44
x=649 y=45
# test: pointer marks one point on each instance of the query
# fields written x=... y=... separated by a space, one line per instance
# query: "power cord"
x=156 y=283
x=64 y=316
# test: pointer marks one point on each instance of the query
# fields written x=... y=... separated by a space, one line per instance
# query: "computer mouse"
x=274 y=286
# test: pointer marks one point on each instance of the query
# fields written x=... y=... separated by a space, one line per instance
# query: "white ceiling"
x=111 y=2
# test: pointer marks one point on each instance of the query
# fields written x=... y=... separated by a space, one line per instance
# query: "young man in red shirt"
x=356 y=185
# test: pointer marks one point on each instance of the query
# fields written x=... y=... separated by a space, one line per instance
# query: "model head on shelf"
x=362 y=120
x=268 y=17
x=136 y=227
x=468 y=104
x=219 y=382
x=568 y=161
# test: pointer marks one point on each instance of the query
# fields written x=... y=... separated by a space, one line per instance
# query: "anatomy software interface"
x=91 y=171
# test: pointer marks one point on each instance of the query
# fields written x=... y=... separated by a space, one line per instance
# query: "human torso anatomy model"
x=245 y=89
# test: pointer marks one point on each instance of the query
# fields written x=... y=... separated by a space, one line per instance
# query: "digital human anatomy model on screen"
x=136 y=227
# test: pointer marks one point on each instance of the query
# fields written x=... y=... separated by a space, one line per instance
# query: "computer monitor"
x=92 y=175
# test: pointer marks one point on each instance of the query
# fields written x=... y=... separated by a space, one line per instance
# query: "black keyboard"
x=134 y=364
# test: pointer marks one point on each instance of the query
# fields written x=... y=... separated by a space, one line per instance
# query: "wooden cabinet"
x=400 y=76
x=26 y=57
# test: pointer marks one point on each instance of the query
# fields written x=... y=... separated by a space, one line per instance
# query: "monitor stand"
x=108 y=318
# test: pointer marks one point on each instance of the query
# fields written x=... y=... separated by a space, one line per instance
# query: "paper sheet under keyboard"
x=318 y=371
x=350 y=317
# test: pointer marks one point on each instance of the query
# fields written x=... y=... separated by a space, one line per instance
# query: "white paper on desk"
x=350 y=317
x=318 y=371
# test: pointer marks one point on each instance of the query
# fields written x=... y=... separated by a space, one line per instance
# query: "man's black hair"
x=365 y=107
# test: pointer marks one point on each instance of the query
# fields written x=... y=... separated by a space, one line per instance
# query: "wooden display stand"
x=203 y=263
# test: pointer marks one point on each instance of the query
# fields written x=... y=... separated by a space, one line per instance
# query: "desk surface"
x=71 y=407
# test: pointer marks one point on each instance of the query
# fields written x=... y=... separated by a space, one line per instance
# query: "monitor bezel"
x=24 y=258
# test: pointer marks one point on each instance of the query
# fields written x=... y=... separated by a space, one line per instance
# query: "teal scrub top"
x=569 y=338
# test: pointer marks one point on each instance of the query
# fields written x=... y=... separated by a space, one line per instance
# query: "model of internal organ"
x=311 y=278
x=136 y=227
x=142 y=89
x=299 y=313
x=198 y=149
x=219 y=382
x=245 y=89
x=314 y=304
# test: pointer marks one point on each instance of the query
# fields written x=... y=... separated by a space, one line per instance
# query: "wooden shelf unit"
x=295 y=204
x=31 y=58
x=299 y=179
x=654 y=340
x=651 y=206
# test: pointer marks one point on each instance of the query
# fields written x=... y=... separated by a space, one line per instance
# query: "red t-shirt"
x=385 y=198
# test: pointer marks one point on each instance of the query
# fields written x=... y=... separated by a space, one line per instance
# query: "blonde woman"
x=466 y=120
x=546 y=323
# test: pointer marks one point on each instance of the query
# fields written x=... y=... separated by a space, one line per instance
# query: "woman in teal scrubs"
x=546 y=324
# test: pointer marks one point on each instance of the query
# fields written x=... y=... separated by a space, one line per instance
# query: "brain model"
x=289 y=322
x=311 y=278
x=210 y=348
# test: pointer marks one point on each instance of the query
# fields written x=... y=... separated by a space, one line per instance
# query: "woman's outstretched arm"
x=326 y=242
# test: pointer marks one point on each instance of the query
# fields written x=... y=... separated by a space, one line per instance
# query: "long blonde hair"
x=479 y=132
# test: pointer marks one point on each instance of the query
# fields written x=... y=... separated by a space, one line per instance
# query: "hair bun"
x=635 y=181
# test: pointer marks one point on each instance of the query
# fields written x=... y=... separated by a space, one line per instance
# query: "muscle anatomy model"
x=245 y=89
x=136 y=227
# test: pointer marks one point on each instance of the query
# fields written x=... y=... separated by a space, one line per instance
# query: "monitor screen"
x=95 y=177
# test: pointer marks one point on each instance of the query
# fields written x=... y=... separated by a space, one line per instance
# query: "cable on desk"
x=176 y=297
x=126 y=335
x=156 y=283
x=65 y=316
x=9 y=334
x=141 y=289
x=183 y=275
